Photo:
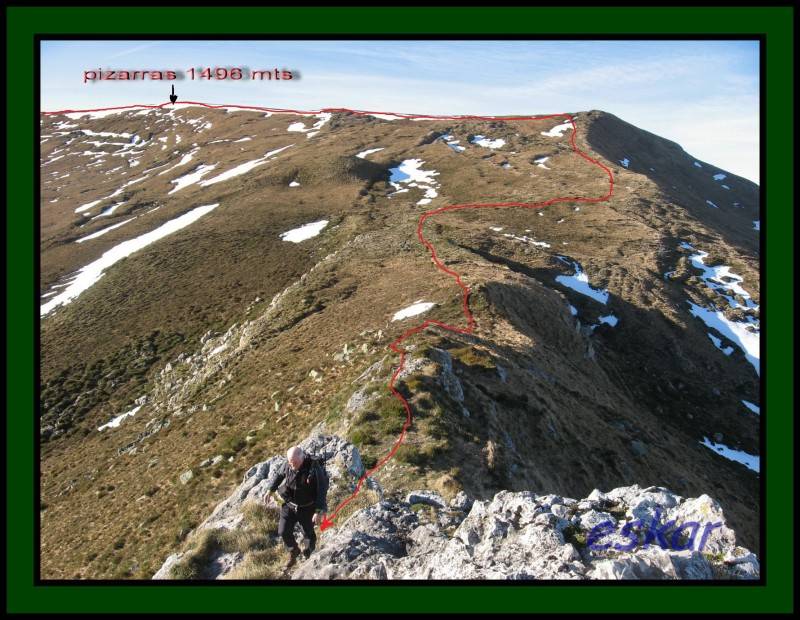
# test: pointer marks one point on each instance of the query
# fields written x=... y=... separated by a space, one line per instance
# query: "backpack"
x=318 y=466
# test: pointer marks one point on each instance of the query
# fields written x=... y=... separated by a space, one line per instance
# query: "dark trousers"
x=287 y=521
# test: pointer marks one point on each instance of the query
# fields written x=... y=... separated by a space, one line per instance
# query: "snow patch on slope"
x=91 y=273
x=410 y=173
x=487 y=142
x=306 y=231
x=243 y=168
x=102 y=232
x=558 y=130
x=751 y=461
x=579 y=282
x=416 y=308
x=363 y=154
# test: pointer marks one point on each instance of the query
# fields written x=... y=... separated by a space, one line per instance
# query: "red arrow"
x=326 y=523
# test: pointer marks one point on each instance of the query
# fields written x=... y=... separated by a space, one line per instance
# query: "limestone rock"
x=513 y=535
x=430 y=498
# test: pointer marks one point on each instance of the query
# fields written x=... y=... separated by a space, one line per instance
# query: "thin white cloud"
x=133 y=50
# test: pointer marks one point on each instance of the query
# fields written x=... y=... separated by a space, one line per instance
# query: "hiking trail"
x=465 y=291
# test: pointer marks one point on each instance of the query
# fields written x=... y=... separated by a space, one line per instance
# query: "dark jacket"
x=300 y=486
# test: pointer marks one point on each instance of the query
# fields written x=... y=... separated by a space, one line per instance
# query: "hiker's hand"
x=317 y=518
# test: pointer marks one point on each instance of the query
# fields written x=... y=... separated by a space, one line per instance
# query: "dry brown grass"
x=265 y=556
x=119 y=516
x=255 y=537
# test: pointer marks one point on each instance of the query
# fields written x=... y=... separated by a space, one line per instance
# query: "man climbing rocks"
x=303 y=487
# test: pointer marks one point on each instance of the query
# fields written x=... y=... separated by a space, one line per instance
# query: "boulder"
x=461 y=502
x=431 y=498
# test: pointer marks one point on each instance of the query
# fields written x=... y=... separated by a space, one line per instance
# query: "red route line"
x=464 y=288
x=167 y=104
x=394 y=346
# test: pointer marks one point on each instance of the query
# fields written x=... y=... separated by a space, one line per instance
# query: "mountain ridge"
x=325 y=299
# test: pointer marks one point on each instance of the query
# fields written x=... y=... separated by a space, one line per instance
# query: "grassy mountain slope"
x=243 y=342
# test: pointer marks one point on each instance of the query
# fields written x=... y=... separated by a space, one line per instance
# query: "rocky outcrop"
x=344 y=467
x=625 y=533
x=522 y=535
x=448 y=379
x=179 y=380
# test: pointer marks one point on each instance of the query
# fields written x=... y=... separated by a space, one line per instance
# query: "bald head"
x=295 y=456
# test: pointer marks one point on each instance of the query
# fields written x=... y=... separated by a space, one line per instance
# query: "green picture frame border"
x=24 y=23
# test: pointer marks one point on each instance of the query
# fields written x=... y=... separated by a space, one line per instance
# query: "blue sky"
x=701 y=94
